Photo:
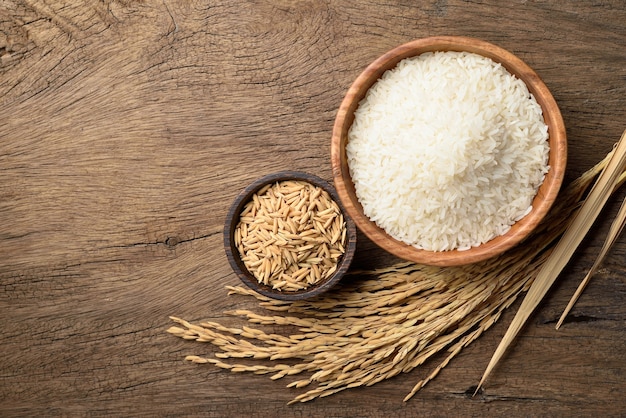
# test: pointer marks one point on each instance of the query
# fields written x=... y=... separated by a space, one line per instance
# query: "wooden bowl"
x=240 y=269
x=542 y=202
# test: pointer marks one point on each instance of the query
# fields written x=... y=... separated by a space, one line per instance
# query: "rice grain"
x=291 y=235
x=447 y=150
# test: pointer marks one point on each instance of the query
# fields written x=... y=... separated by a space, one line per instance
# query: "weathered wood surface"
x=127 y=128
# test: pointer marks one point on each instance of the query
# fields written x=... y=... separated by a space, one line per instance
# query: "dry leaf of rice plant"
x=564 y=249
x=614 y=232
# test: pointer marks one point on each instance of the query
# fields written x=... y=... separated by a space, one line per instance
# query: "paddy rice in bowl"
x=447 y=150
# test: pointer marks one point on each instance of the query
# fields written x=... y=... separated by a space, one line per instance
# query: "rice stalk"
x=377 y=324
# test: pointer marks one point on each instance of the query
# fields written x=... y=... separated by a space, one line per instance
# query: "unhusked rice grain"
x=291 y=235
x=447 y=150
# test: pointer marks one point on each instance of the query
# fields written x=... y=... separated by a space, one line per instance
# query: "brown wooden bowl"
x=232 y=253
x=542 y=202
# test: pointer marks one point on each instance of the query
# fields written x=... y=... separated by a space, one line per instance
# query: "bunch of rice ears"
x=379 y=323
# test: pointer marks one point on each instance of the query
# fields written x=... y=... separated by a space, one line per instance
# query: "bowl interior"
x=232 y=253
x=543 y=200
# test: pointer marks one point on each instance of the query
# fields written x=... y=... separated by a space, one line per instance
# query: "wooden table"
x=126 y=130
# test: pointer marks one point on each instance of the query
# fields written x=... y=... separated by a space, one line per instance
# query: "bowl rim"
x=232 y=253
x=546 y=194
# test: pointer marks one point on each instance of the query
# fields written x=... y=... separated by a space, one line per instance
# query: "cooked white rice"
x=447 y=151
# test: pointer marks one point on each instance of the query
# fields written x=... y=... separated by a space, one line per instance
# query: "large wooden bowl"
x=543 y=200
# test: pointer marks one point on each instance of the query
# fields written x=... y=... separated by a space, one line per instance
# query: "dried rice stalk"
x=614 y=232
x=377 y=324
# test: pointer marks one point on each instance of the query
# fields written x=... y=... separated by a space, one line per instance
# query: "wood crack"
x=171 y=241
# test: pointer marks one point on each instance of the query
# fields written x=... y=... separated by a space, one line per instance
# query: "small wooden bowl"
x=543 y=200
x=232 y=253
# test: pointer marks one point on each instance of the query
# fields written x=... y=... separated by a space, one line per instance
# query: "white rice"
x=447 y=151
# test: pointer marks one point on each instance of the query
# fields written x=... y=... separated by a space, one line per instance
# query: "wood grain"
x=128 y=128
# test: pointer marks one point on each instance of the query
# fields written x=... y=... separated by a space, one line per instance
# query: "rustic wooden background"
x=127 y=128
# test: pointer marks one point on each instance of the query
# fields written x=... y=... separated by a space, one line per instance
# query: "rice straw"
x=616 y=229
x=564 y=249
